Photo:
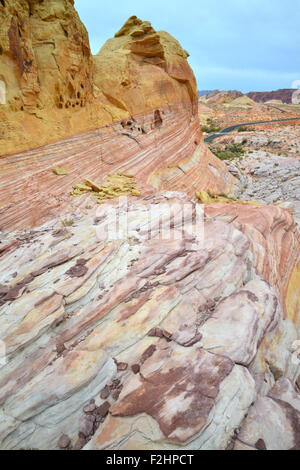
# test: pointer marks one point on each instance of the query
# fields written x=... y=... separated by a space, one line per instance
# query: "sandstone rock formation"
x=52 y=87
x=46 y=60
x=148 y=322
x=46 y=67
x=140 y=83
x=172 y=156
x=156 y=334
x=140 y=75
x=141 y=69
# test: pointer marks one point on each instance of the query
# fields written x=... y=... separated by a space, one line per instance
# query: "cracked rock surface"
x=151 y=335
x=270 y=172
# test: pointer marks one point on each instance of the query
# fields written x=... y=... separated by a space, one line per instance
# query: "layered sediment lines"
x=152 y=322
x=138 y=92
x=131 y=330
x=275 y=243
x=165 y=154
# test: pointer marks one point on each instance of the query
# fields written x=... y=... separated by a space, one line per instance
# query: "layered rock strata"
x=138 y=92
x=142 y=323
x=149 y=324
x=170 y=156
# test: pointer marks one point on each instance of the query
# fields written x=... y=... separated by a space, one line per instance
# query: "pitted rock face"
x=56 y=88
x=50 y=48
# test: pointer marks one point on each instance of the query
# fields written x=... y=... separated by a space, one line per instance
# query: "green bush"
x=230 y=152
x=211 y=127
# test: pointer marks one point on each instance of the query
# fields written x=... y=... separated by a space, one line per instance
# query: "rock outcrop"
x=139 y=92
x=46 y=67
x=46 y=60
x=141 y=76
x=284 y=95
x=52 y=87
x=150 y=324
x=171 y=156
x=141 y=69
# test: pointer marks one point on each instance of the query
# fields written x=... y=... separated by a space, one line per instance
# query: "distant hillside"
x=204 y=92
x=220 y=97
x=284 y=95
x=241 y=102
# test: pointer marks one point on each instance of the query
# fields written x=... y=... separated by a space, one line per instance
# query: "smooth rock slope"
x=147 y=324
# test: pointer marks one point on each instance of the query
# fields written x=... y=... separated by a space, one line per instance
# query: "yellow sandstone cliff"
x=52 y=87
x=131 y=108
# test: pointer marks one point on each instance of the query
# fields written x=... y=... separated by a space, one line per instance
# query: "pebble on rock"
x=64 y=442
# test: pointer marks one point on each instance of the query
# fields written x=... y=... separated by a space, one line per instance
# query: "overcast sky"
x=248 y=45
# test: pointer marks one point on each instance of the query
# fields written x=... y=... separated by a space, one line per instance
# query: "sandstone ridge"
x=131 y=108
x=141 y=69
x=52 y=87
x=167 y=318
x=150 y=342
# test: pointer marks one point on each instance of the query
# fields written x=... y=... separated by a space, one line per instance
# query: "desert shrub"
x=230 y=152
x=211 y=126
x=67 y=222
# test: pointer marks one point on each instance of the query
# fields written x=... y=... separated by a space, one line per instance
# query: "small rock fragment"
x=148 y=353
x=87 y=425
x=260 y=445
x=60 y=347
x=64 y=441
x=60 y=170
x=160 y=333
x=79 y=444
x=105 y=392
x=121 y=366
x=89 y=408
x=135 y=368
x=156 y=332
x=103 y=409
x=114 y=384
x=115 y=394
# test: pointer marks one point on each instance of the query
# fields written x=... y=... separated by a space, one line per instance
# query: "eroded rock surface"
x=52 y=87
x=150 y=334
x=150 y=323
x=172 y=156
x=131 y=108
x=270 y=171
